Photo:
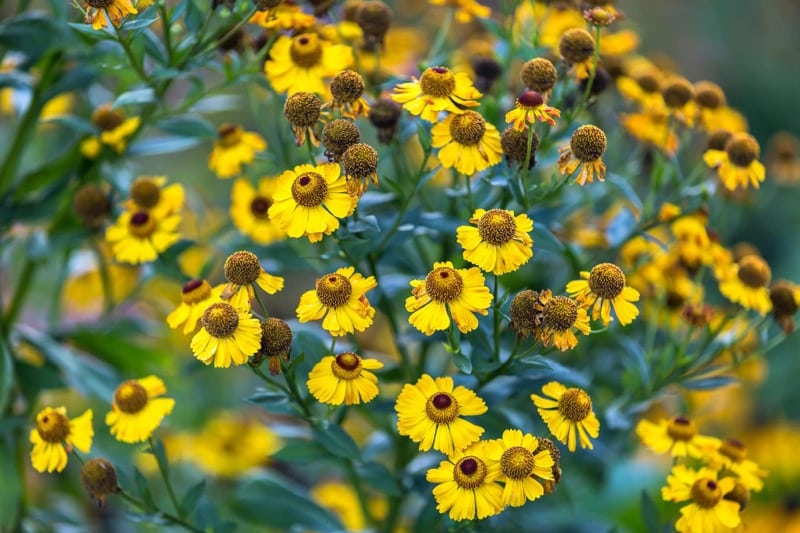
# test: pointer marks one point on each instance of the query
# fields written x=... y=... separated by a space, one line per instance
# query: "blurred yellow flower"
x=678 y=436
x=250 y=210
x=233 y=148
x=137 y=410
x=55 y=435
x=438 y=89
x=708 y=510
x=138 y=237
x=115 y=131
x=302 y=62
x=466 y=10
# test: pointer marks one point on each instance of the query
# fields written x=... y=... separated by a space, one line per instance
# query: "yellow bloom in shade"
x=708 y=510
x=561 y=316
x=466 y=10
x=138 y=237
x=250 y=210
x=344 y=379
x=229 y=336
x=738 y=165
x=603 y=288
x=242 y=270
x=732 y=456
x=746 y=283
x=152 y=193
x=467 y=143
x=137 y=410
x=114 y=131
x=116 y=10
x=529 y=108
x=678 y=436
x=585 y=151
x=196 y=296
x=341 y=499
x=467 y=484
x=447 y=293
x=301 y=63
x=284 y=17
x=55 y=435
x=438 y=89
x=567 y=413
x=339 y=300
x=233 y=148
x=310 y=200
x=499 y=242
x=429 y=412
x=520 y=465
x=653 y=128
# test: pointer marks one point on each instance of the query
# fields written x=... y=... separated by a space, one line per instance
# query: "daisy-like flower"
x=732 y=455
x=525 y=311
x=746 y=282
x=467 y=143
x=139 y=236
x=448 y=292
x=276 y=344
x=529 y=108
x=242 y=270
x=115 y=9
x=196 y=296
x=301 y=63
x=708 y=510
x=652 y=127
x=603 y=288
x=678 y=436
x=521 y=463
x=152 y=193
x=738 y=165
x=303 y=110
x=567 y=413
x=250 y=210
x=233 y=148
x=785 y=298
x=228 y=336
x=114 y=131
x=347 y=89
x=438 y=89
x=644 y=90
x=310 y=200
x=561 y=317
x=585 y=151
x=499 y=242
x=55 y=435
x=577 y=46
x=344 y=379
x=137 y=410
x=429 y=412
x=339 y=300
x=467 y=484
x=466 y=10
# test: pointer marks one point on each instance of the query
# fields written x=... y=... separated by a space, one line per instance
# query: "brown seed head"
x=360 y=161
x=515 y=145
x=539 y=74
x=576 y=45
x=677 y=92
x=338 y=135
x=92 y=205
x=302 y=109
x=99 y=479
x=709 y=95
x=588 y=143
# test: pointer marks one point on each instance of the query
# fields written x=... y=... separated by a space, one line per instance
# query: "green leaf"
x=379 y=477
x=463 y=362
x=11 y=487
x=32 y=33
x=110 y=343
x=6 y=376
x=136 y=96
x=16 y=80
x=709 y=383
x=301 y=452
x=192 y=496
x=161 y=456
x=650 y=514
x=188 y=126
x=73 y=79
x=138 y=23
x=334 y=439
x=162 y=145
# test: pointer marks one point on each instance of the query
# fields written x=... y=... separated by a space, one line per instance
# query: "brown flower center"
x=347 y=87
x=560 y=313
x=130 y=397
x=444 y=284
x=309 y=189
x=242 y=268
x=469 y=472
x=742 y=149
x=145 y=192
x=442 y=408
x=346 y=366
x=706 y=493
x=733 y=450
x=334 y=290
x=754 y=271
x=105 y=118
x=575 y=405
x=195 y=290
x=276 y=337
x=306 y=50
x=467 y=128
x=259 y=207
x=517 y=462
x=142 y=225
x=681 y=428
x=52 y=426
x=229 y=135
x=576 y=45
x=588 y=143
x=220 y=320
x=497 y=227
x=437 y=81
x=607 y=280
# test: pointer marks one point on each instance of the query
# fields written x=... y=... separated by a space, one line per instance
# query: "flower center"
x=560 y=313
x=607 y=280
x=242 y=268
x=575 y=405
x=706 y=493
x=347 y=87
x=588 y=143
x=530 y=99
x=360 y=161
x=130 y=397
x=681 y=428
x=346 y=366
x=309 y=189
x=733 y=450
x=444 y=284
x=576 y=45
x=469 y=472
x=437 y=81
x=467 y=128
x=52 y=426
x=649 y=83
x=100 y=4
x=259 y=207
x=195 y=290
x=517 y=462
x=783 y=299
x=220 y=320
x=497 y=227
x=742 y=149
x=709 y=95
x=276 y=337
x=442 y=408
x=754 y=271
x=525 y=312
x=145 y=192
x=229 y=135
x=104 y=117
x=141 y=225
x=334 y=290
x=306 y=50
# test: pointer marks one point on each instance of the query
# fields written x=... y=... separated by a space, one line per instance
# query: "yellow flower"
x=466 y=10
x=732 y=455
x=339 y=299
x=520 y=465
x=678 y=436
x=284 y=17
x=738 y=165
x=150 y=193
x=301 y=63
x=55 y=435
x=746 y=282
x=499 y=243
x=233 y=148
x=603 y=288
x=567 y=413
x=138 y=237
x=341 y=499
x=114 y=131
x=447 y=293
x=438 y=89
x=546 y=20
x=228 y=336
x=250 y=210
x=561 y=315
x=429 y=412
x=137 y=410
x=585 y=151
x=116 y=10
x=708 y=510
x=242 y=270
x=310 y=200
x=529 y=108
x=467 y=142
x=347 y=89
x=196 y=296
x=344 y=379
x=467 y=484
x=644 y=90
x=652 y=128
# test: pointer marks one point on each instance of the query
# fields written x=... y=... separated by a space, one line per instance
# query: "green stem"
x=261 y=304
x=22 y=286
x=496 y=315
x=165 y=477
x=470 y=203
x=126 y=47
x=441 y=35
x=105 y=278
x=593 y=73
x=266 y=379
x=355 y=481
x=166 y=24
x=526 y=169
x=295 y=393
x=311 y=156
x=167 y=516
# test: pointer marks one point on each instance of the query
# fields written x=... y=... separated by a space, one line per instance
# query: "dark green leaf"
x=192 y=496
x=11 y=487
x=32 y=33
x=6 y=376
x=162 y=145
x=73 y=79
x=266 y=397
x=138 y=23
x=709 y=383
x=92 y=35
x=188 y=126
x=463 y=362
x=379 y=477
x=336 y=441
x=136 y=96
x=650 y=514
x=301 y=452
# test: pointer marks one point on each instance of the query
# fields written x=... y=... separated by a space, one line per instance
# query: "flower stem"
x=175 y=520
x=261 y=304
x=496 y=315
x=165 y=477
